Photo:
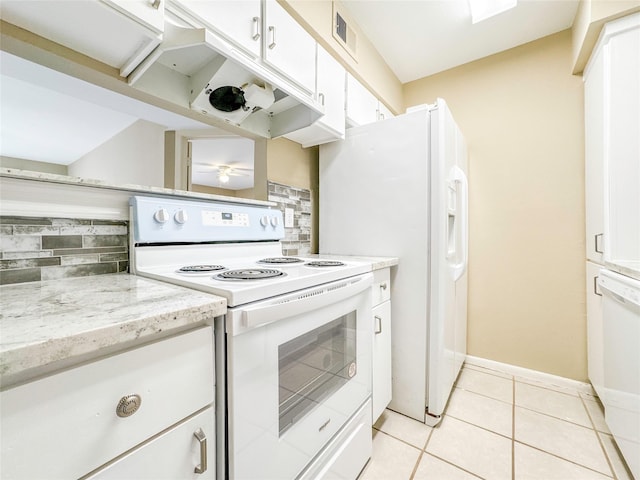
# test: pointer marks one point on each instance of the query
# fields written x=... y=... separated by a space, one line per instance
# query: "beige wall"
x=521 y=112
x=367 y=66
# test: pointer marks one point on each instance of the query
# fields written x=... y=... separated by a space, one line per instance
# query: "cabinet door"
x=93 y=28
x=595 y=360
x=148 y=12
x=85 y=423
x=288 y=47
x=622 y=156
x=594 y=117
x=361 y=104
x=381 y=384
x=331 y=92
x=240 y=21
x=176 y=453
x=384 y=112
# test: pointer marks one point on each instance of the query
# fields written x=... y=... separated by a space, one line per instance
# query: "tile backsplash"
x=33 y=249
x=297 y=240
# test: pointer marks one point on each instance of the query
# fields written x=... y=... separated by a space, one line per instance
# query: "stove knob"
x=264 y=221
x=275 y=221
x=181 y=217
x=161 y=216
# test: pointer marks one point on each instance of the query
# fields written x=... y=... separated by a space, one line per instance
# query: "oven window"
x=313 y=366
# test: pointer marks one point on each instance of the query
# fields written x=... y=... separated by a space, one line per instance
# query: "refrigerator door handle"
x=462 y=240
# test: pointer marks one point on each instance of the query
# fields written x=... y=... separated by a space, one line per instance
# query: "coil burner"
x=325 y=263
x=280 y=260
x=250 y=274
x=200 y=268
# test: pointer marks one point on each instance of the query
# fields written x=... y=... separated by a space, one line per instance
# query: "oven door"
x=299 y=366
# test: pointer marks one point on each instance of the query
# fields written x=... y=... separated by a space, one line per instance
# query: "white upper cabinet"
x=362 y=106
x=116 y=32
x=239 y=21
x=330 y=93
x=612 y=149
x=383 y=111
x=148 y=12
x=594 y=157
x=288 y=47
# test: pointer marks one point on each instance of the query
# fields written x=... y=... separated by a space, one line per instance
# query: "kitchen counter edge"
x=52 y=324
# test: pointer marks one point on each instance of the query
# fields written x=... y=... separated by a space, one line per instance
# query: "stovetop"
x=233 y=251
x=265 y=280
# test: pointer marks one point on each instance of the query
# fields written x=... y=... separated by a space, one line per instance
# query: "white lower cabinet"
x=381 y=371
x=595 y=339
x=71 y=423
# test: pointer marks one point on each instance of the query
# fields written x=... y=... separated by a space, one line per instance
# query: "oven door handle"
x=306 y=301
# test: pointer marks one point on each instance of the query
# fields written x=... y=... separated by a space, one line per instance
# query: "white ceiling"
x=418 y=38
x=211 y=156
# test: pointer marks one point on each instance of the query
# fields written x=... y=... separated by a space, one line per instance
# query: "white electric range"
x=297 y=335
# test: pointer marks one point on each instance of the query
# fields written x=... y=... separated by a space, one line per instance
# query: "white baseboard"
x=534 y=376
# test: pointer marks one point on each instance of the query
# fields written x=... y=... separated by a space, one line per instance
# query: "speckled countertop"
x=43 y=323
x=377 y=263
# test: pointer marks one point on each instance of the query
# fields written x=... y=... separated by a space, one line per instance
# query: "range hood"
x=195 y=68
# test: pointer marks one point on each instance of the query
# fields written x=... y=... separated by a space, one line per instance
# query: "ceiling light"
x=483 y=9
x=223 y=177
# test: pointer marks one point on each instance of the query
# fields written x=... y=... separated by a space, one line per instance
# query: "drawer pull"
x=383 y=286
x=272 y=45
x=256 y=28
x=378 y=328
x=128 y=405
x=202 y=440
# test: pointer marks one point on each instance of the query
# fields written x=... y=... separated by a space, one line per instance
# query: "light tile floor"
x=497 y=427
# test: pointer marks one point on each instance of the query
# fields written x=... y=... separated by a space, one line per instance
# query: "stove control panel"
x=171 y=220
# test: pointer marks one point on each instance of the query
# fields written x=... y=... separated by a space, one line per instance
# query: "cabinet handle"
x=155 y=3
x=595 y=286
x=378 y=328
x=202 y=440
x=596 y=243
x=272 y=29
x=128 y=405
x=321 y=98
x=256 y=28
x=383 y=286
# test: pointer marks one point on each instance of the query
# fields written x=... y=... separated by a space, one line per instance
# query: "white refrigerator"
x=398 y=187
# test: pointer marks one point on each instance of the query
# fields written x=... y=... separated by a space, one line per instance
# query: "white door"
x=449 y=252
x=238 y=20
x=288 y=47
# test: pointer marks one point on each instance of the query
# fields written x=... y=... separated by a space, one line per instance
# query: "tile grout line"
x=422 y=452
x=397 y=438
x=444 y=460
x=555 y=455
x=604 y=450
